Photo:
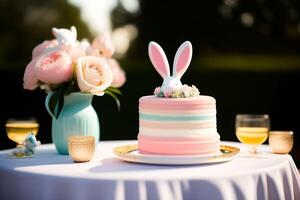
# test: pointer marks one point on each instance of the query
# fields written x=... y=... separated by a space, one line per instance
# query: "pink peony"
x=119 y=76
x=54 y=67
x=94 y=52
x=44 y=47
x=75 y=52
x=104 y=45
x=85 y=46
x=93 y=75
x=30 y=81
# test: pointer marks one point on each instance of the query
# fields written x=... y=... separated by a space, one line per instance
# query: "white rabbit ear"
x=182 y=59
x=159 y=59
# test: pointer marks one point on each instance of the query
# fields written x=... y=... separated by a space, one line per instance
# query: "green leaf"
x=114 y=90
x=53 y=102
x=60 y=105
x=114 y=97
x=56 y=101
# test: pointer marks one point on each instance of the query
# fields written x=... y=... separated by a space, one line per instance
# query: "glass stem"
x=253 y=149
x=19 y=146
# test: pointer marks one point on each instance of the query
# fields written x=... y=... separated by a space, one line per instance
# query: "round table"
x=52 y=176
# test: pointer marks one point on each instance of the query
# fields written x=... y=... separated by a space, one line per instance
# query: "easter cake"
x=176 y=120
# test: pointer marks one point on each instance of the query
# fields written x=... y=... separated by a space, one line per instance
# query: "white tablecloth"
x=52 y=176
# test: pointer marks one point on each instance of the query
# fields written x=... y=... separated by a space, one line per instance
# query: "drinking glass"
x=281 y=142
x=252 y=130
x=81 y=148
x=18 y=129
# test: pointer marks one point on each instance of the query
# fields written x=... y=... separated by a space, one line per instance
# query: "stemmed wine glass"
x=252 y=130
x=17 y=130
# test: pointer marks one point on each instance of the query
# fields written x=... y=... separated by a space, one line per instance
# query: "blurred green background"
x=246 y=55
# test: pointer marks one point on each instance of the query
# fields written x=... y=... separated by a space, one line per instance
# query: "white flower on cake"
x=182 y=92
x=172 y=86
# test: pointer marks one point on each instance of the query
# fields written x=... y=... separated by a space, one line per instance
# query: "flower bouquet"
x=72 y=72
x=64 y=65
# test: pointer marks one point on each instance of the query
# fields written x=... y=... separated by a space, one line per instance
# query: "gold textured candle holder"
x=281 y=142
x=81 y=148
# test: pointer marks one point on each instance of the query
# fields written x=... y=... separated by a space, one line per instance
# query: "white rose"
x=93 y=75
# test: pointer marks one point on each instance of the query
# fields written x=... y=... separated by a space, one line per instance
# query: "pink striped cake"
x=178 y=126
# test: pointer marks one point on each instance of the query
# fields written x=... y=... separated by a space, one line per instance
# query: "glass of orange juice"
x=252 y=130
x=18 y=129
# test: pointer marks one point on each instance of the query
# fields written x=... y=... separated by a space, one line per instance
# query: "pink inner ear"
x=183 y=61
x=159 y=62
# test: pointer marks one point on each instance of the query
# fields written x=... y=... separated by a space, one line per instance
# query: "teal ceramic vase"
x=77 y=117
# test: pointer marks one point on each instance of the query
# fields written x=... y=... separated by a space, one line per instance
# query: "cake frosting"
x=176 y=120
x=178 y=125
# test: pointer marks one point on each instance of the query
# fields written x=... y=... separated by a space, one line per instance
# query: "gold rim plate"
x=130 y=153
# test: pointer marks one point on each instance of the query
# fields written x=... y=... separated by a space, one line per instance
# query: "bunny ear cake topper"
x=182 y=59
x=159 y=59
x=172 y=86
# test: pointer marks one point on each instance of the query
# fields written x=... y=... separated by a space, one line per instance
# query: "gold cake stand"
x=130 y=153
